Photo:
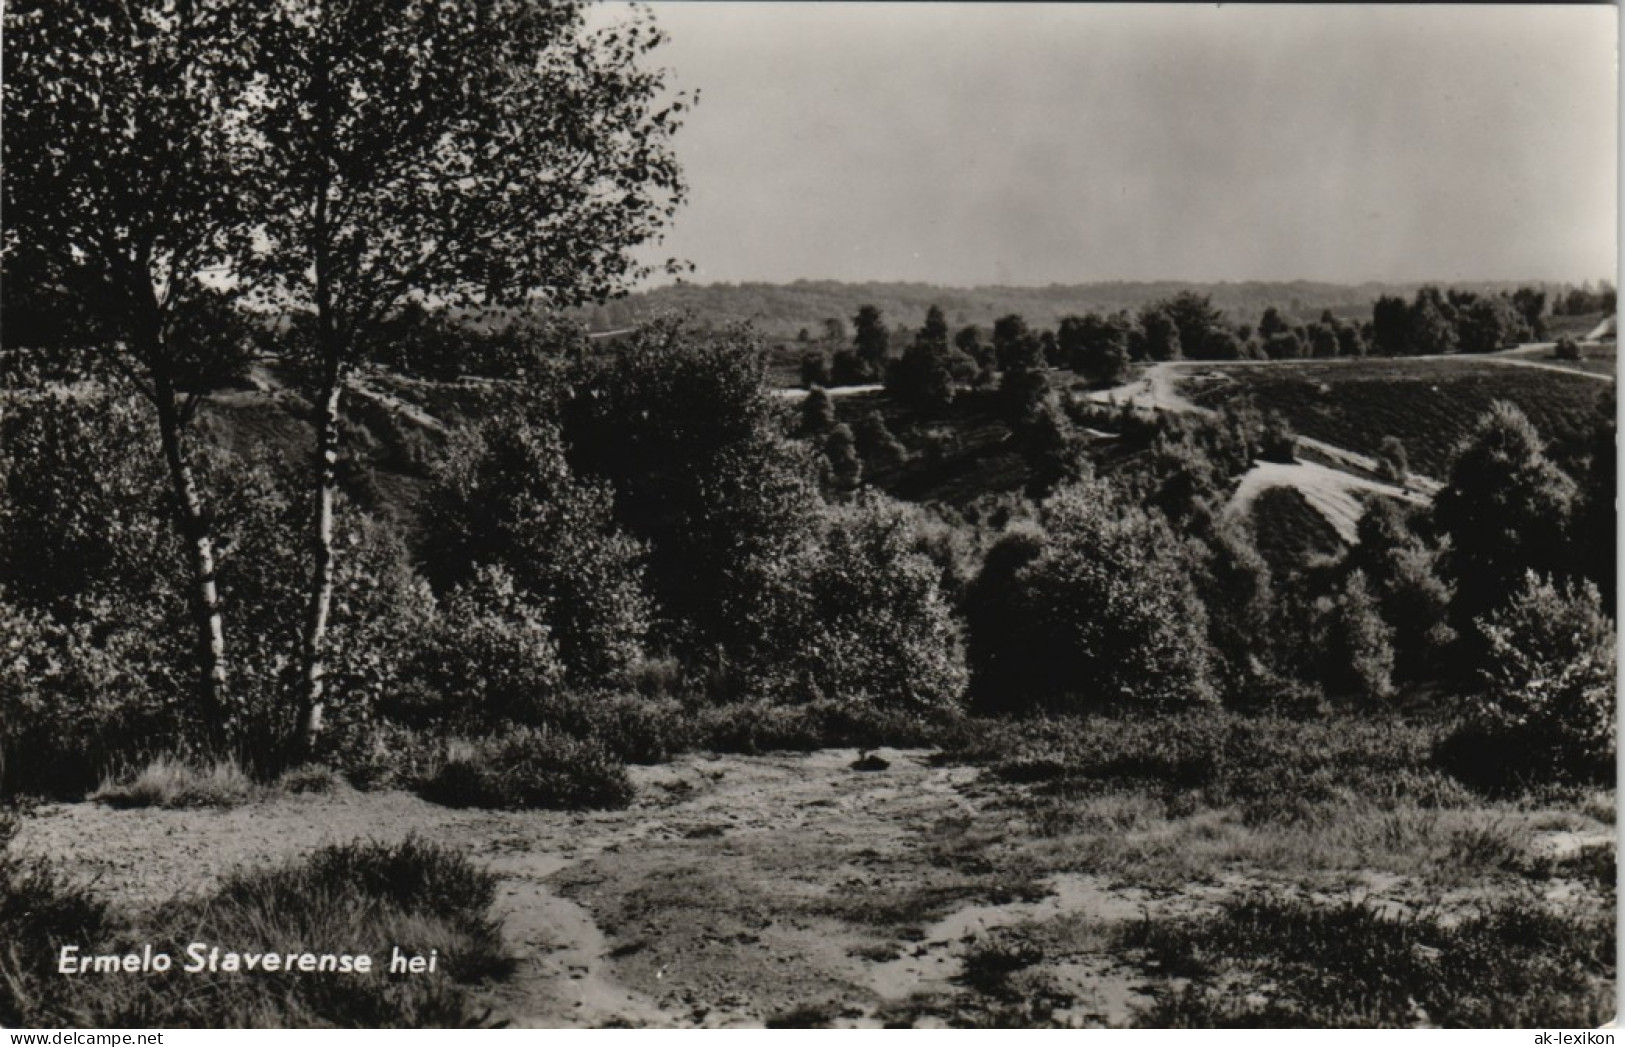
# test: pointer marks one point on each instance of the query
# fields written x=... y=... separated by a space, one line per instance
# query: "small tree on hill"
x=1361 y=655
x=1390 y=326
x=871 y=341
x=814 y=370
x=840 y=447
x=923 y=377
x=1015 y=345
x=877 y=443
x=1096 y=347
x=1197 y=320
x=817 y=412
x=1157 y=337
x=1392 y=461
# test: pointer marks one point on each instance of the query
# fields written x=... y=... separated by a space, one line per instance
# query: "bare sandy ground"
x=1333 y=490
x=737 y=891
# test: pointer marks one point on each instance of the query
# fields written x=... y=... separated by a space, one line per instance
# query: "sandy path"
x=1330 y=491
x=736 y=892
x=770 y=826
x=834 y=390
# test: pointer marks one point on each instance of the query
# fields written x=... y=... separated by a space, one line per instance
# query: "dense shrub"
x=689 y=440
x=1103 y=612
x=858 y=615
x=1233 y=581
x=1360 y=655
x=84 y=503
x=841 y=456
x=1405 y=576
x=1506 y=509
x=817 y=412
x=876 y=442
x=505 y=497
x=529 y=768
x=923 y=378
x=1547 y=706
x=489 y=658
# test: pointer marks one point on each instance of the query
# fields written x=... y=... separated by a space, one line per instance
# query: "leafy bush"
x=98 y=662
x=82 y=697
x=857 y=615
x=1547 y=711
x=688 y=438
x=505 y=497
x=488 y=659
x=529 y=768
x=84 y=503
x=1098 y=610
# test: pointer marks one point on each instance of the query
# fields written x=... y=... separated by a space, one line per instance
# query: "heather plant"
x=525 y=768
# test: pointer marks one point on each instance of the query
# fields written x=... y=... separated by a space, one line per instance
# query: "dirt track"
x=736 y=891
x=747 y=891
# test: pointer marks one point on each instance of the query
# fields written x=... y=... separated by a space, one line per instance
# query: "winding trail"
x=1333 y=486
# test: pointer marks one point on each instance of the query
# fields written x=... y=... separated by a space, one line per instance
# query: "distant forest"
x=783 y=310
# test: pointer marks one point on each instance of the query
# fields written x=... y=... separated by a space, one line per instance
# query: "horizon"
x=1025 y=145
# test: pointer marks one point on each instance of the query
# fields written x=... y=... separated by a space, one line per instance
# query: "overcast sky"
x=970 y=143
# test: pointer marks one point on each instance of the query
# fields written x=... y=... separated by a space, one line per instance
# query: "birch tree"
x=117 y=189
x=447 y=153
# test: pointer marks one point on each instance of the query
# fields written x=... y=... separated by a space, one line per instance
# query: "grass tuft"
x=1267 y=962
x=171 y=782
x=531 y=768
x=351 y=898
